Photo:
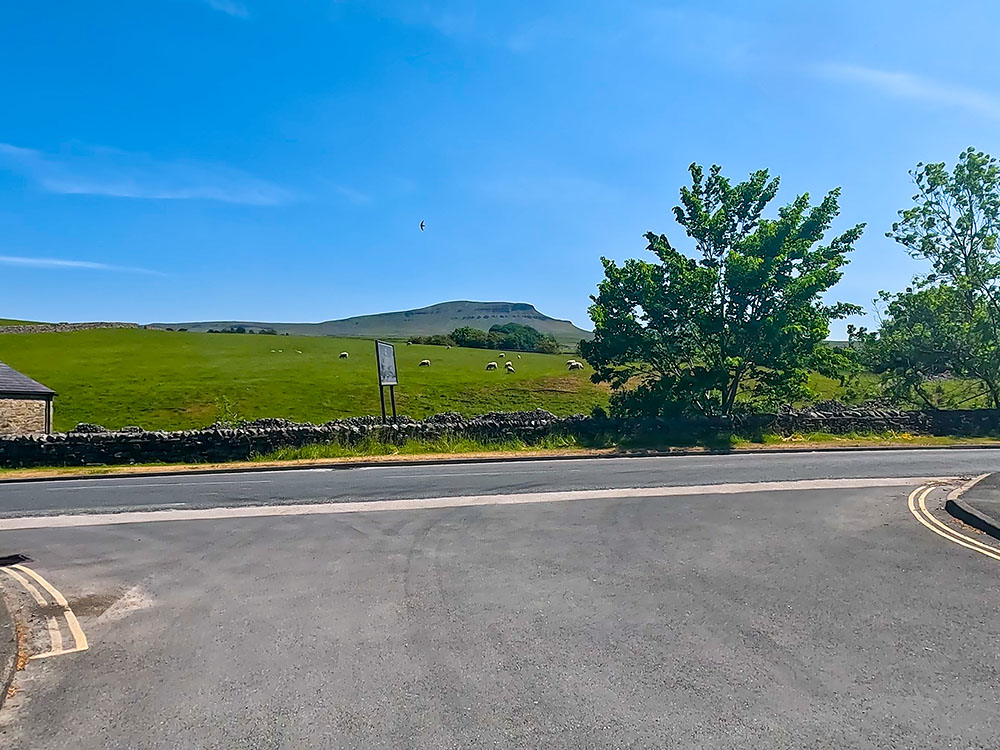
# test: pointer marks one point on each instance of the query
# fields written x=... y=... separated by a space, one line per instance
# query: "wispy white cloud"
x=122 y=174
x=909 y=86
x=59 y=263
x=229 y=7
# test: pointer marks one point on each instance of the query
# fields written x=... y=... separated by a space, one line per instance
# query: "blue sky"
x=253 y=159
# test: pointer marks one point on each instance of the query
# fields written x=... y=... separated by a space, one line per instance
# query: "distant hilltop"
x=426 y=321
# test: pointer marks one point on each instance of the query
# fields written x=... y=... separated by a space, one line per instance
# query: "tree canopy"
x=948 y=322
x=738 y=324
x=513 y=336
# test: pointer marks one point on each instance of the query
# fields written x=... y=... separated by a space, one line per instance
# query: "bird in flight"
x=422 y=225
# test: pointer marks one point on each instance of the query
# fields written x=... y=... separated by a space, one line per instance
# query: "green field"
x=171 y=380
x=12 y=322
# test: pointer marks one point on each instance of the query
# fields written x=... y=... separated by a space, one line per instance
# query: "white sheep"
x=518 y=356
x=424 y=363
x=344 y=355
x=491 y=365
x=576 y=366
x=510 y=367
x=570 y=362
x=502 y=355
x=298 y=351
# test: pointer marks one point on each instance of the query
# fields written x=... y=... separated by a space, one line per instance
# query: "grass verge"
x=448 y=445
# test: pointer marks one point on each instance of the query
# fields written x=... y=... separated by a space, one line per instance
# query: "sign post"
x=385 y=355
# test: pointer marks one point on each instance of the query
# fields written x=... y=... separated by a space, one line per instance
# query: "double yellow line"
x=28 y=578
x=918 y=507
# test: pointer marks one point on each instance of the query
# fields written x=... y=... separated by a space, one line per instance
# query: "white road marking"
x=365 y=506
x=441 y=475
x=150 y=485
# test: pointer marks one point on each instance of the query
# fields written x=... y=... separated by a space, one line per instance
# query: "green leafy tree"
x=512 y=336
x=521 y=338
x=738 y=325
x=947 y=324
x=469 y=336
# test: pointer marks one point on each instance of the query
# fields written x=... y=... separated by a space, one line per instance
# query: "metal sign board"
x=386 y=355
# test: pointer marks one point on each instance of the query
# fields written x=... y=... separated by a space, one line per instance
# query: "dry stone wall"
x=62 y=327
x=92 y=444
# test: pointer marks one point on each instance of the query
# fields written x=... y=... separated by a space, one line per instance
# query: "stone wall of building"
x=22 y=416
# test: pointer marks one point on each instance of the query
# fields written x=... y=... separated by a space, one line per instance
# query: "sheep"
x=510 y=367
x=570 y=362
x=502 y=355
x=274 y=351
x=491 y=365
x=576 y=366
x=409 y=343
x=448 y=347
x=298 y=351
x=424 y=363
x=518 y=356
x=344 y=355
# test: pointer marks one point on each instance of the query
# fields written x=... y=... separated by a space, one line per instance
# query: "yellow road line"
x=55 y=635
x=35 y=593
x=74 y=625
x=952 y=531
x=918 y=508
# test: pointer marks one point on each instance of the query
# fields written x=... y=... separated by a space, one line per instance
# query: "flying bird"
x=422 y=225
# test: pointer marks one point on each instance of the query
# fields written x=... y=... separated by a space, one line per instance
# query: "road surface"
x=737 y=601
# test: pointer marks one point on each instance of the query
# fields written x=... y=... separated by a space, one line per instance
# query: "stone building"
x=25 y=405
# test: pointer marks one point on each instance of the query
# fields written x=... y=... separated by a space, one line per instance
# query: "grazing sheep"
x=518 y=356
x=576 y=366
x=510 y=367
x=273 y=351
x=344 y=355
x=491 y=365
x=448 y=347
x=424 y=363
x=298 y=351
x=502 y=355
x=409 y=343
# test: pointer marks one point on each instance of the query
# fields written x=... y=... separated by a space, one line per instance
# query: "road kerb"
x=969 y=515
x=244 y=467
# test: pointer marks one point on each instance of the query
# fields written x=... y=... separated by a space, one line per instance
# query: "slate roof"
x=13 y=383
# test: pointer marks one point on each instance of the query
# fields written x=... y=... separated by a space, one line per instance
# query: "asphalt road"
x=728 y=617
x=402 y=482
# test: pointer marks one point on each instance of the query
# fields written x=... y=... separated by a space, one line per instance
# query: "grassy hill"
x=167 y=380
x=13 y=322
x=441 y=318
